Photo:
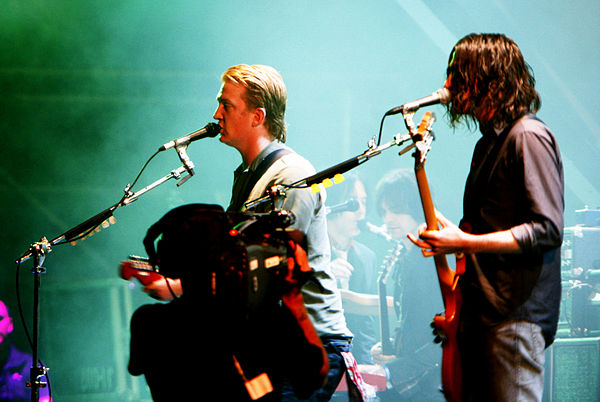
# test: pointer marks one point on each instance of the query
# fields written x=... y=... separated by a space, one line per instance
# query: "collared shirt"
x=516 y=183
x=321 y=296
x=244 y=175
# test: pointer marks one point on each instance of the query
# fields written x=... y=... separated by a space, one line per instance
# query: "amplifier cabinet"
x=572 y=370
x=84 y=340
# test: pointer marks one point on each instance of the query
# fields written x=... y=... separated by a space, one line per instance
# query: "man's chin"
x=224 y=140
x=354 y=230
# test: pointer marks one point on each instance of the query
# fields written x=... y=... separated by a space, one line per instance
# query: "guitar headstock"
x=140 y=268
x=426 y=124
x=390 y=261
x=422 y=138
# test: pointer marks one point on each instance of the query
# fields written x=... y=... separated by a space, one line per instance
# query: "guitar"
x=139 y=268
x=446 y=324
x=387 y=347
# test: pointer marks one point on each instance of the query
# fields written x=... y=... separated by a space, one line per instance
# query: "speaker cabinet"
x=573 y=370
x=580 y=266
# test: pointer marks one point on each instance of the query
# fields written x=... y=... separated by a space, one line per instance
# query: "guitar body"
x=446 y=324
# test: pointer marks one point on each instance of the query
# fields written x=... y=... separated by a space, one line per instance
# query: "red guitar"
x=139 y=268
x=446 y=324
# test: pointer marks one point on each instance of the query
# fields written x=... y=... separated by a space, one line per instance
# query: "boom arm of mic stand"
x=336 y=169
x=67 y=236
x=352 y=162
x=97 y=219
x=131 y=197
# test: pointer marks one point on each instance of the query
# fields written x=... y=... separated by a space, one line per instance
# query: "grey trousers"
x=504 y=363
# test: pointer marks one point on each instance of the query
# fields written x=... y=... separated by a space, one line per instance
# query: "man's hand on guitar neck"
x=448 y=239
x=451 y=239
x=165 y=289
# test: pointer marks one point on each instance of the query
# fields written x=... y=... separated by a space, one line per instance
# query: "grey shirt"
x=321 y=295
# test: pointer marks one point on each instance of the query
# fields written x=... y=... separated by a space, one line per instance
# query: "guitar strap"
x=245 y=180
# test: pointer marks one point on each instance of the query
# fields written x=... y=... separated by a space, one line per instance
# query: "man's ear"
x=260 y=116
x=10 y=326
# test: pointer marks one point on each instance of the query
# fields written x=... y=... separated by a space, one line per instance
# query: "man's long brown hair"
x=489 y=81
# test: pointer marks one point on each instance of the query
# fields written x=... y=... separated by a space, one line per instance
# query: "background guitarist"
x=413 y=371
x=513 y=202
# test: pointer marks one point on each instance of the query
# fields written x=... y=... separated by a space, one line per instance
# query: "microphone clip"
x=187 y=163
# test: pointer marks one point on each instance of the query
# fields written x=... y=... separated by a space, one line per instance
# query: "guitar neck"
x=387 y=347
x=426 y=199
x=445 y=274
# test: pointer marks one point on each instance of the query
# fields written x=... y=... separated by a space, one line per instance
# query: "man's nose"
x=386 y=217
x=218 y=115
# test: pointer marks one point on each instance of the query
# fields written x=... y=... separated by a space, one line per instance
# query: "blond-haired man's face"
x=233 y=115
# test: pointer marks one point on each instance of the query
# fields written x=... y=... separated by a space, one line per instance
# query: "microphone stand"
x=331 y=172
x=37 y=370
x=39 y=250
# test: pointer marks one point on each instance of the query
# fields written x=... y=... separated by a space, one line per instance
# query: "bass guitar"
x=387 y=347
x=446 y=324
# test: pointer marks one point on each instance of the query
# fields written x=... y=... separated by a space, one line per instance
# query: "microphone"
x=442 y=96
x=350 y=205
x=210 y=130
